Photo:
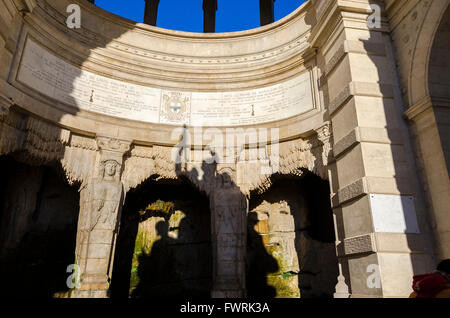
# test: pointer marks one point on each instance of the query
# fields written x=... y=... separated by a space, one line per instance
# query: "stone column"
x=209 y=16
x=266 y=11
x=151 y=12
x=375 y=197
x=228 y=224
x=101 y=200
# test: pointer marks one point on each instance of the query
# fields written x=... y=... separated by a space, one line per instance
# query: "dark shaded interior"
x=175 y=217
x=39 y=215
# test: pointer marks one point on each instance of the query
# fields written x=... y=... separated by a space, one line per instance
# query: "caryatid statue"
x=107 y=196
x=101 y=201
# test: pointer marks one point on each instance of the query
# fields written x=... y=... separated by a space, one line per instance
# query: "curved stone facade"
x=319 y=92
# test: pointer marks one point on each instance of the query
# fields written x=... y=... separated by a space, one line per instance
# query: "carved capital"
x=324 y=133
x=113 y=144
x=112 y=149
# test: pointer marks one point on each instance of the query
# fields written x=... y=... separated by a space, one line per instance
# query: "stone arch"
x=428 y=104
x=288 y=224
x=418 y=85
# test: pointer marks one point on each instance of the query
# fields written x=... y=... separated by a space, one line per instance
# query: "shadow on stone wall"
x=293 y=221
x=260 y=263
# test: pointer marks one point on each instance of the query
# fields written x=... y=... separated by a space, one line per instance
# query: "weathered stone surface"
x=323 y=81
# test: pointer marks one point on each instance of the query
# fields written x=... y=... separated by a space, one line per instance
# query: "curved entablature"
x=113 y=76
x=148 y=55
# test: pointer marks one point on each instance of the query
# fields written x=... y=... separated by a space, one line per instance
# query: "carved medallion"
x=176 y=107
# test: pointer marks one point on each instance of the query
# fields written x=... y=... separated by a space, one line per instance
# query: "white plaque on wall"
x=52 y=76
x=393 y=213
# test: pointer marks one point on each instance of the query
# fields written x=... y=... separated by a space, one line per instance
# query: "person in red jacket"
x=434 y=285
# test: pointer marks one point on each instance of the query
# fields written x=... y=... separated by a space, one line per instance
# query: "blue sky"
x=187 y=15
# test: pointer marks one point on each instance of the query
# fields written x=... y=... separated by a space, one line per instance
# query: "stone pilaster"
x=101 y=200
x=228 y=222
x=375 y=201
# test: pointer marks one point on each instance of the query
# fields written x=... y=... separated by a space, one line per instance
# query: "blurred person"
x=433 y=285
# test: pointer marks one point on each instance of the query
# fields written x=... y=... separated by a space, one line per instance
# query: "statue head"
x=226 y=177
x=226 y=180
x=110 y=168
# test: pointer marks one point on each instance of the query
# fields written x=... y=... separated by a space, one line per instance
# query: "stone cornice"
x=192 y=36
x=271 y=55
x=421 y=107
x=426 y=104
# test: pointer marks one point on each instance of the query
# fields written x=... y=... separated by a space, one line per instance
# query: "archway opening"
x=291 y=242
x=39 y=215
x=164 y=243
x=438 y=78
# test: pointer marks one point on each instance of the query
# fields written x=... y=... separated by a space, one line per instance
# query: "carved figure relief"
x=229 y=204
x=107 y=194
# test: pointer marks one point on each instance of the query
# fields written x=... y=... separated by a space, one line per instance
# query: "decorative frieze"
x=101 y=200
